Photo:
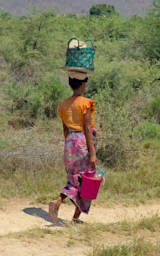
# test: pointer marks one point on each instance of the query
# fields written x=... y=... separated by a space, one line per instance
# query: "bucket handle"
x=101 y=172
x=99 y=169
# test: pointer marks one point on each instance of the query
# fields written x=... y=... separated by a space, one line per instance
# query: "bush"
x=113 y=153
x=114 y=142
x=153 y=109
x=123 y=77
x=102 y=9
x=40 y=100
x=53 y=92
x=147 y=131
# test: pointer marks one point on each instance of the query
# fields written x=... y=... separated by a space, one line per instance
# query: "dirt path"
x=21 y=215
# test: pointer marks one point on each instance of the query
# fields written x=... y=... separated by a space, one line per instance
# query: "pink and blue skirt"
x=76 y=161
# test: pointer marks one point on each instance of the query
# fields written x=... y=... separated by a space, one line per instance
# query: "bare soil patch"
x=21 y=215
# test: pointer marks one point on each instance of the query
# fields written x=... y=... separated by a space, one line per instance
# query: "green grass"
x=126 y=228
x=136 y=248
x=40 y=186
x=151 y=224
x=139 y=184
x=35 y=233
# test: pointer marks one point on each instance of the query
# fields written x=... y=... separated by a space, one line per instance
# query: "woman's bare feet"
x=54 y=207
x=77 y=221
x=77 y=213
x=53 y=213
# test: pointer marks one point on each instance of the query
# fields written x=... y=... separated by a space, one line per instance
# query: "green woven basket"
x=80 y=58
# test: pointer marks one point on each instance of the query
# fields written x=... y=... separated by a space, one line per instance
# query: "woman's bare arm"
x=88 y=135
x=65 y=130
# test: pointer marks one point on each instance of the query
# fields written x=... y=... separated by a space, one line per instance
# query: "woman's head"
x=78 y=80
x=76 y=83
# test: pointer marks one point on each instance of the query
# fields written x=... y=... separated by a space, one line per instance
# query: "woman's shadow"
x=39 y=212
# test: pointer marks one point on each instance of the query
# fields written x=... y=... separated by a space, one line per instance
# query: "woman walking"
x=76 y=113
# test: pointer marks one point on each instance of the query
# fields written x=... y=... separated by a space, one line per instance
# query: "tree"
x=152 y=32
x=102 y=10
x=5 y=15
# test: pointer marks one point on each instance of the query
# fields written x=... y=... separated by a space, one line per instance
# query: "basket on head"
x=79 y=56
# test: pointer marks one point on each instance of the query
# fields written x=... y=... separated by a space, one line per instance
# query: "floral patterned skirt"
x=76 y=161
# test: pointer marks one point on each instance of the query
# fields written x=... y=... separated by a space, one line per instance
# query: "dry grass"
x=31 y=159
x=150 y=226
x=138 y=247
x=35 y=233
x=31 y=164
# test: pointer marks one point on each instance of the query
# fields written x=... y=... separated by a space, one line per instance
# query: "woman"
x=76 y=113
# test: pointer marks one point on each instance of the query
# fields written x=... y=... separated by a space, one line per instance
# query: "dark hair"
x=76 y=83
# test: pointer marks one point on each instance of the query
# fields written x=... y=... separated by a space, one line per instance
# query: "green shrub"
x=40 y=100
x=153 y=109
x=113 y=153
x=123 y=77
x=53 y=92
x=147 y=131
x=102 y=10
x=114 y=142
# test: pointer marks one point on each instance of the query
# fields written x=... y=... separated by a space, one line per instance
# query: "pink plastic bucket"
x=90 y=187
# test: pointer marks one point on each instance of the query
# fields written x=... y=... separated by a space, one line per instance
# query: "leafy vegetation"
x=125 y=87
x=40 y=100
x=102 y=10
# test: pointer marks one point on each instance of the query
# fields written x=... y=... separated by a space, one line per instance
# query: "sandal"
x=77 y=221
x=53 y=213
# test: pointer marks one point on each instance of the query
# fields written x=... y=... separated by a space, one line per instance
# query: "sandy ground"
x=22 y=215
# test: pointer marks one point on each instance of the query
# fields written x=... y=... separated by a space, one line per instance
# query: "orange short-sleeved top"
x=72 y=111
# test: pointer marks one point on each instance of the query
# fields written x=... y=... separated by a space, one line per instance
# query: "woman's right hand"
x=93 y=160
